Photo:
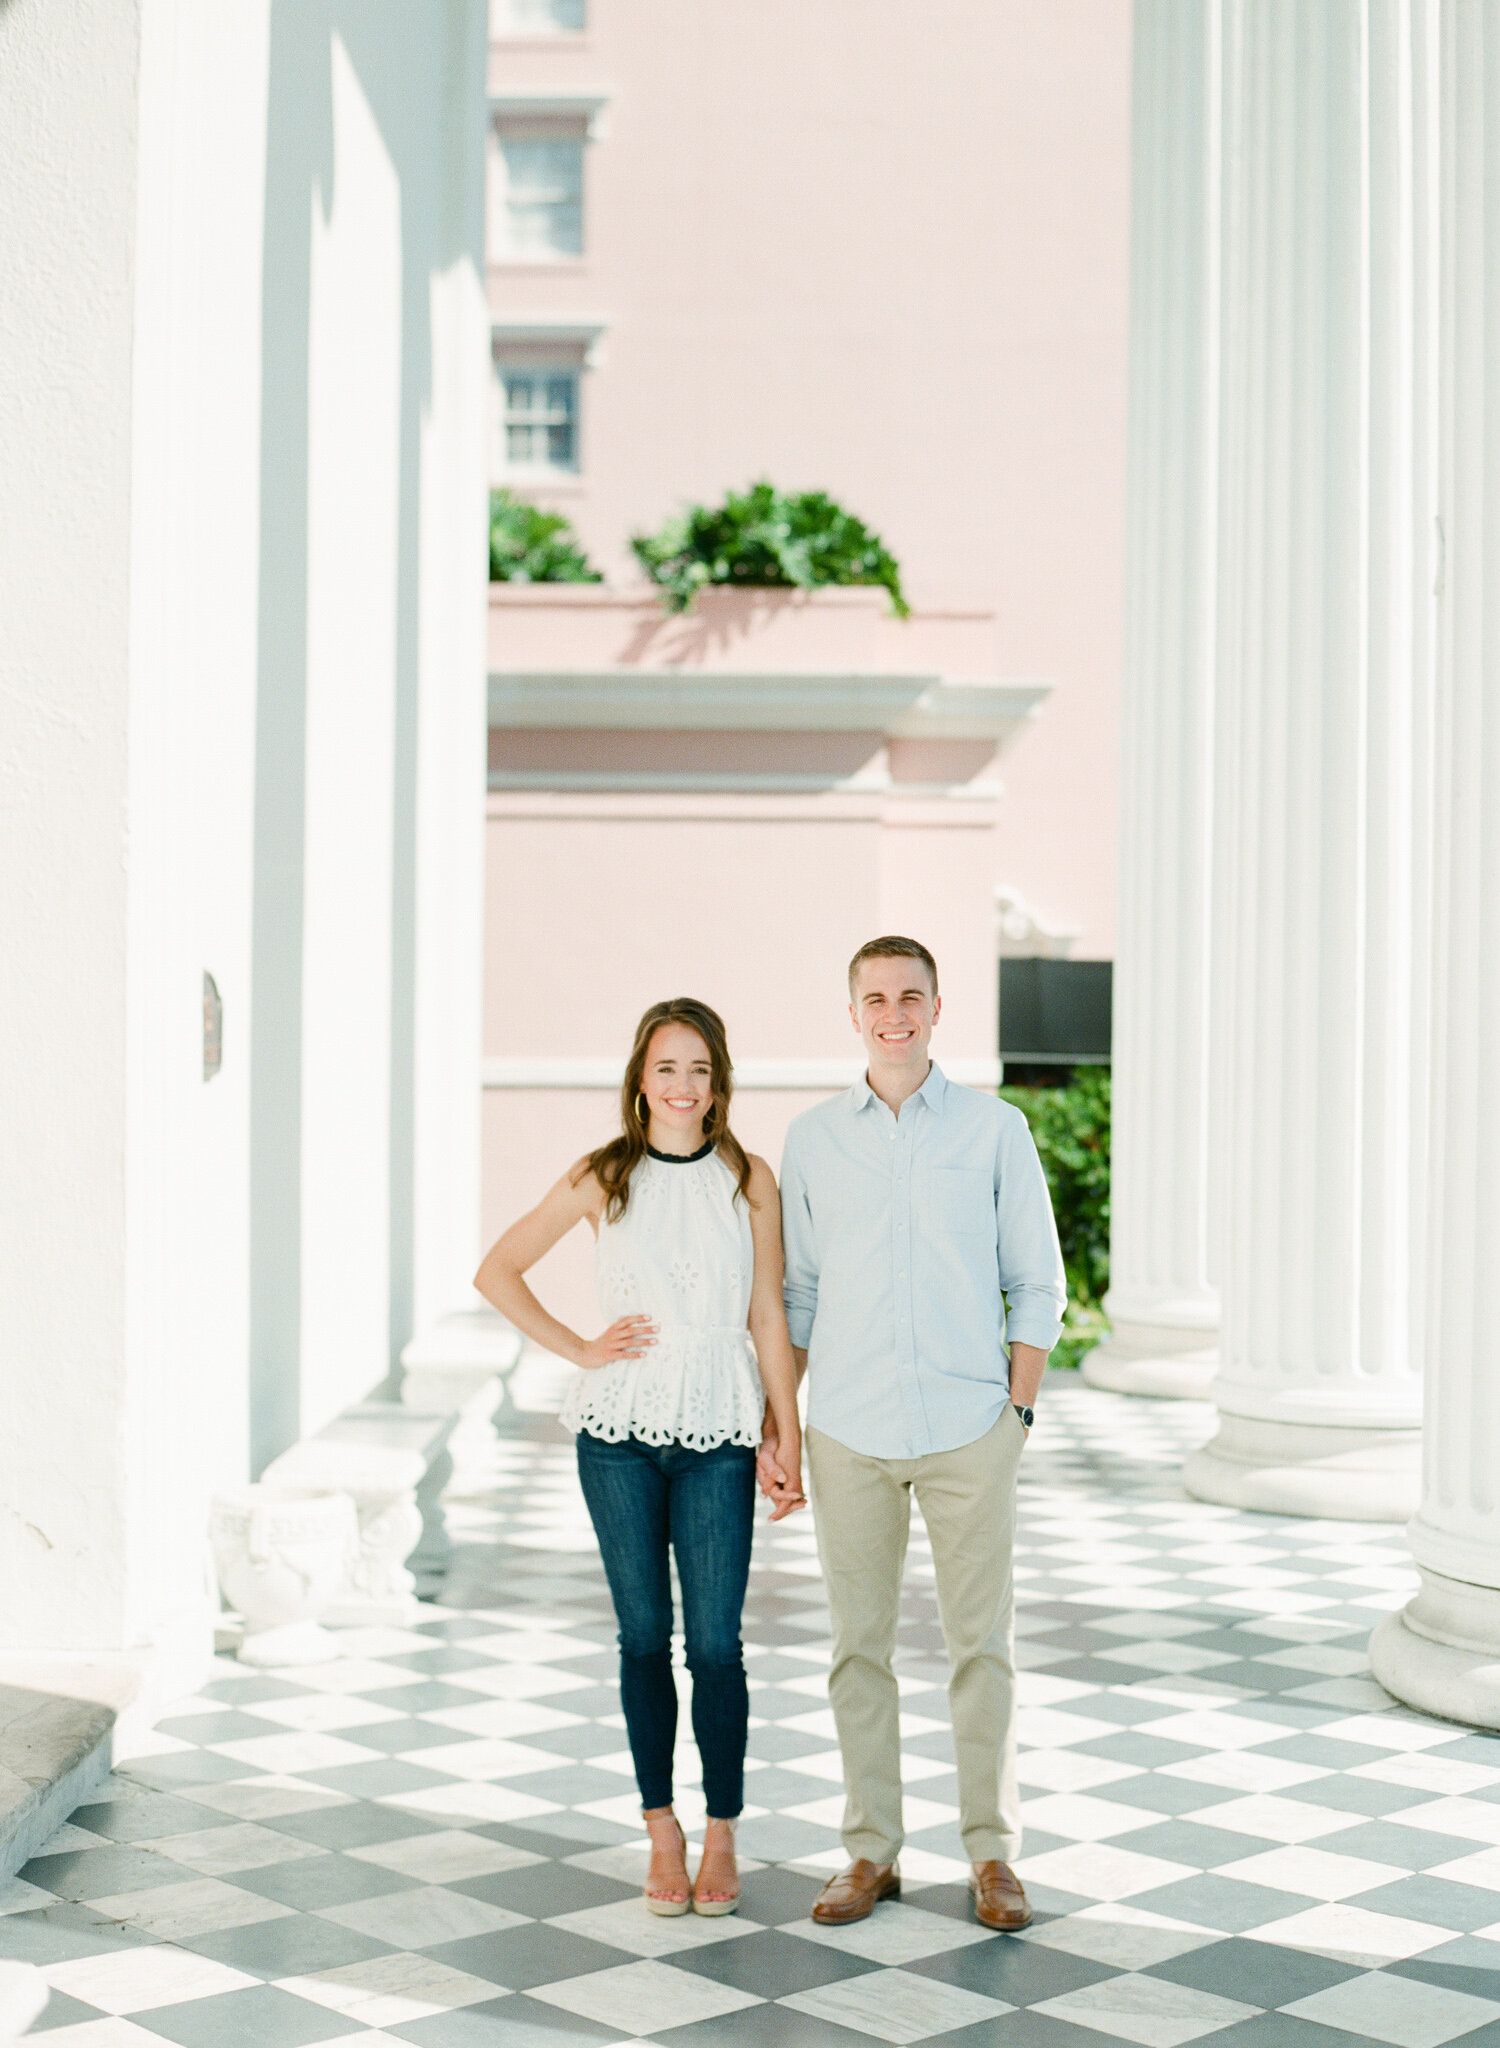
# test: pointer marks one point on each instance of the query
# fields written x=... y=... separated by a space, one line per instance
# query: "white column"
x=1317 y=706
x=1443 y=1653
x=1161 y=1303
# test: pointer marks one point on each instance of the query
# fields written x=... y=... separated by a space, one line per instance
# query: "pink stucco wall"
x=880 y=250
x=875 y=250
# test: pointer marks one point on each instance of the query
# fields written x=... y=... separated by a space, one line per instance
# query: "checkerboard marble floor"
x=1231 y=1832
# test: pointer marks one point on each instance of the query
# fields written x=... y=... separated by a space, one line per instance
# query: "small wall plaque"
x=213 y=1027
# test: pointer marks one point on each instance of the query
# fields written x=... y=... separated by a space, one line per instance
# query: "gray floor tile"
x=327 y=1880
x=188 y=1767
x=1282 y=2030
x=1254 y=1972
x=423 y=1695
x=374 y=1780
x=543 y=1890
x=1154 y=1792
x=518 y=2022
x=1019 y=1971
x=62 y=2011
x=773 y=1963
x=354 y=1826
x=60 y=1934
x=1199 y=1844
x=1438 y=1900
x=147 y=1818
x=101 y=1873
x=519 y=1957
x=1221 y=1902
x=259 y=2016
x=1332 y=1752
x=230 y=1725
x=295 y=1946
x=1458 y=1966
x=1148 y=1752
x=1356 y=1795
x=1384 y=1841
x=767 y=2026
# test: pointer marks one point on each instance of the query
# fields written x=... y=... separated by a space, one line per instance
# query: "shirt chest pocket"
x=961 y=1202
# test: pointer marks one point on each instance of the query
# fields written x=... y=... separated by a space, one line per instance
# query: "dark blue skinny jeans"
x=643 y=1499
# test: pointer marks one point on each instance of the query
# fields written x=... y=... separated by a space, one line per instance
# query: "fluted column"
x=1317 y=703
x=1443 y=1653
x=1162 y=1305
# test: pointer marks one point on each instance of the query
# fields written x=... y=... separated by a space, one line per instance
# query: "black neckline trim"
x=681 y=1158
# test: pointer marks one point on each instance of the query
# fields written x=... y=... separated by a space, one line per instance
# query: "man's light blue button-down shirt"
x=906 y=1238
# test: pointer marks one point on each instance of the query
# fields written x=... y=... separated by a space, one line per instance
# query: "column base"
x=1441 y=1653
x=1298 y=1468
x=1158 y=1359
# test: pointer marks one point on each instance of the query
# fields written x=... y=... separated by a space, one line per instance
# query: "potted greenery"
x=769 y=539
x=528 y=545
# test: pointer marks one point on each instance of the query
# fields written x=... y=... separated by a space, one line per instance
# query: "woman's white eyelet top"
x=682 y=1254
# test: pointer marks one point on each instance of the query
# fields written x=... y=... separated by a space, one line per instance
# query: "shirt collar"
x=932 y=1090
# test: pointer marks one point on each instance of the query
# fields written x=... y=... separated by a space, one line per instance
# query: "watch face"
x=1027 y=1415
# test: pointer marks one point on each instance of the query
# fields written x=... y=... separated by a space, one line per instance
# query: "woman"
x=668 y=1408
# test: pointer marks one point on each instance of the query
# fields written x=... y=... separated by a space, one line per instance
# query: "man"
x=913 y=1209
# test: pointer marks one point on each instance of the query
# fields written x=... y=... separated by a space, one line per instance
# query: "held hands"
x=779 y=1471
x=630 y=1337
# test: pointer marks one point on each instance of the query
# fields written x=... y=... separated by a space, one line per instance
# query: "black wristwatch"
x=1027 y=1415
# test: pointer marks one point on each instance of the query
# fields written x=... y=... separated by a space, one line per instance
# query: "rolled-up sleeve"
x=800 y=1288
x=1031 y=1267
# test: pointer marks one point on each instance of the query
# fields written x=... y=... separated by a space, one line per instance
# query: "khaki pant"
x=863 y=1510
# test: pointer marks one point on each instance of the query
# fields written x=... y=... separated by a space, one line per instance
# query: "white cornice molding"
x=552 y=104
x=795 y=1076
x=873 y=782
x=923 y=706
x=523 y=331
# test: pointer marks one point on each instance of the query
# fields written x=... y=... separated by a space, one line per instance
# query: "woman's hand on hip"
x=630 y=1337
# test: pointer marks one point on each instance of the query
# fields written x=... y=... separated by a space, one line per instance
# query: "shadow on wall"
x=325 y=54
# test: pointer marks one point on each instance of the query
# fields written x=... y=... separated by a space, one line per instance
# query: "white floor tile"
x=1278 y=1820
x=629 y=1925
x=1086 y=1819
x=447 y=1857
x=176 y=1912
x=897 y=1933
x=1100 y=1870
x=241 y=1846
x=1315 y=1873
x=644 y=1998
x=1149 y=2010
x=138 y=1979
x=392 y=1990
x=465 y=1801
x=1122 y=1935
x=422 y=1918
x=894 y=2006
x=1401 y=2010
x=1353 y=1934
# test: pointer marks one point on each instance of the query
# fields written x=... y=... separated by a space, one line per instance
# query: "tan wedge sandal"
x=712 y=1908
x=669 y=1905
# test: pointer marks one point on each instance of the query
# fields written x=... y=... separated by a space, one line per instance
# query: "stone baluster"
x=1319 y=688
x=1442 y=1653
x=1162 y=1305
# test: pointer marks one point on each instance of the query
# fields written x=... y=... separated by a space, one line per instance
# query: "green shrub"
x=528 y=545
x=1071 y=1129
x=768 y=539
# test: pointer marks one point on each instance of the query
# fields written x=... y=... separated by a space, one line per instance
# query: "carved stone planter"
x=282 y=1557
x=382 y=1481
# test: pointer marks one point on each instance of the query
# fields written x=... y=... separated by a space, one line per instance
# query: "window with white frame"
x=537 y=419
x=536 y=196
x=538 y=17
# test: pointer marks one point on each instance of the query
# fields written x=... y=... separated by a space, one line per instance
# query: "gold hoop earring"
x=642 y=1109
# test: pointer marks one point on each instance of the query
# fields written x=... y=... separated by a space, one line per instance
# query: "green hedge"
x=767 y=539
x=1071 y=1129
x=528 y=545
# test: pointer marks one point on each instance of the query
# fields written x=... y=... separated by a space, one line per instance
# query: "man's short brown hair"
x=893 y=949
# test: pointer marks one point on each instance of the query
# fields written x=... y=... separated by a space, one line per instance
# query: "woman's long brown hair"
x=614 y=1163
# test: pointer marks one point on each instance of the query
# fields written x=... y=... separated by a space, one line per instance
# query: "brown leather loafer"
x=855 y=1893
x=999 y=1901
